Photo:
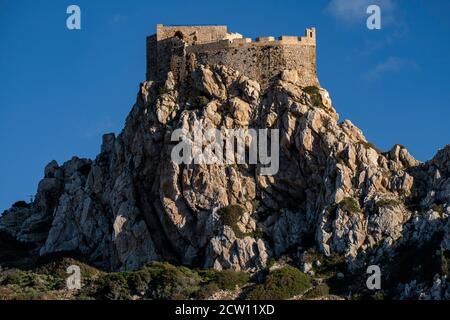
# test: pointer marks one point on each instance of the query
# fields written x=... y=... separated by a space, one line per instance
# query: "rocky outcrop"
x=334 y=190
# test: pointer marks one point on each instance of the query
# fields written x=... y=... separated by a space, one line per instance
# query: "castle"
x=180 y=48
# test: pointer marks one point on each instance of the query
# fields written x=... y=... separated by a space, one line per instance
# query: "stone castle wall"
x=192 y=34
x=261 y=60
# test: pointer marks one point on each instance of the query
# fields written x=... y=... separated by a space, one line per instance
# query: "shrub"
x=280 y=284
x=162 y=90
x=257 y=234
x=311 y=255
x=175 y=283
x=387 y=203
x=229 y=279
x=199 y=102
x=22 y=279
x=24 y=285
x=214 y=281
x=114 y=286
x=349 y=204
x=271 y=263
x=230 y=216
x=314 y=94
x=334 y=263
x=379 y=295
x=156 y=280
x=328 y=265
x=439 y=208
x=140 y=280
x=58 y=267
x=207 y=290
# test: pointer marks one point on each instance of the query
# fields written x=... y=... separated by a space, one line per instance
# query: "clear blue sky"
x=60 y=89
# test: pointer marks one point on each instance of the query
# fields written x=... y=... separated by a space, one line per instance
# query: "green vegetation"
x=329 y=266
x=257 y=234
x=318 y=291
x=214 y=281
x=439 y=208
x=315 y=96
x=114 y=286
x=379 y=295
x=162 y=90
x=389 y=203
x=157 y=280
x=228 y=279
x=24 y=285
x=350 y=204
x=327 y=270
x=206 y=291
x=199 y=102
x=230 y=216
x=175 y=283
x=165 y=281
x=282 y=283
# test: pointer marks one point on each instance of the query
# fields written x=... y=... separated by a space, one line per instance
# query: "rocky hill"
x=336 y=197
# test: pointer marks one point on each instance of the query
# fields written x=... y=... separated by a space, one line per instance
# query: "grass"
x=281 y=284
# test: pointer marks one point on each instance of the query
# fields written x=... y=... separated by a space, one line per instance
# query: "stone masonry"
x=181 y=48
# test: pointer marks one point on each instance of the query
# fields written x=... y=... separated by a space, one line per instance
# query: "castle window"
x=179 y=34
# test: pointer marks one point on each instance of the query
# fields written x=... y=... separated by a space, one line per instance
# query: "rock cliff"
x=334 y=192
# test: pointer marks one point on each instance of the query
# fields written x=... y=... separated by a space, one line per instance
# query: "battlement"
x=308 y=40
x=262 y=59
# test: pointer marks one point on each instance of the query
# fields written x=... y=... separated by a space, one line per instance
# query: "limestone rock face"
x=334 y=190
